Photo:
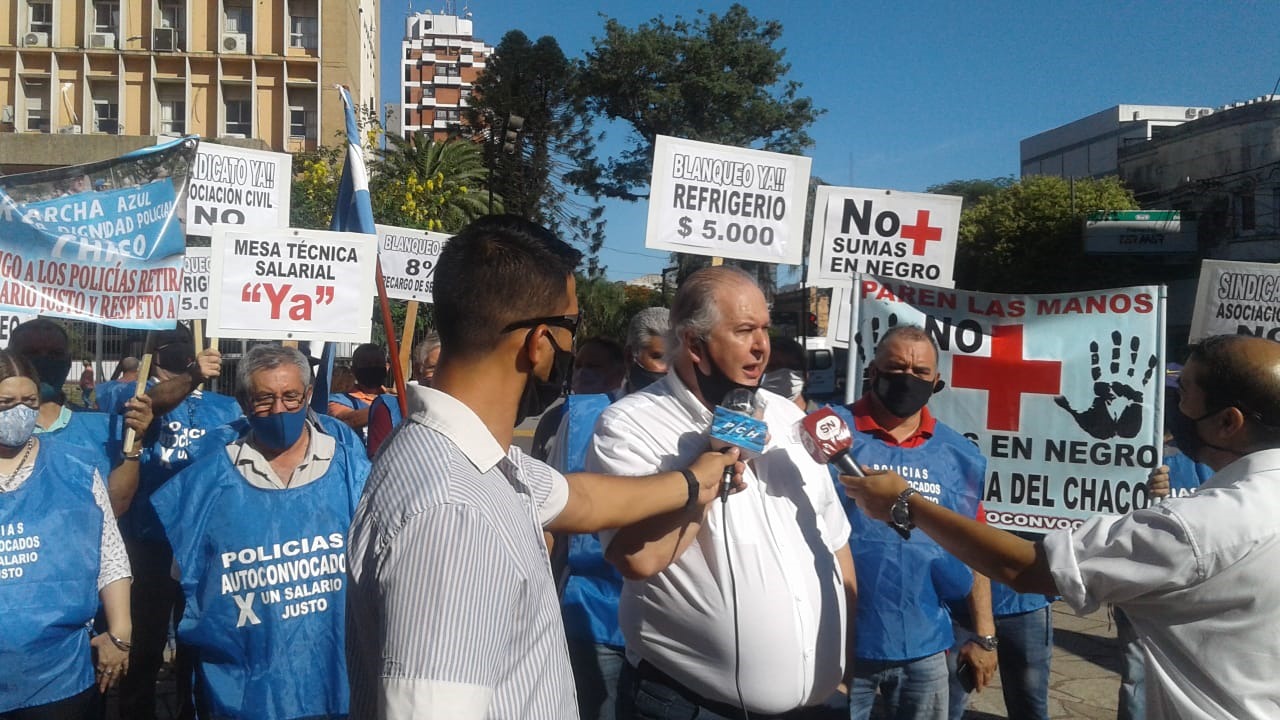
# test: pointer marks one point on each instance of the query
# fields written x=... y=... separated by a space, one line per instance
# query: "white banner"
x=194 y=304
x=409 y=260
x=235 y=186
x=729 y=202
x=291 y=285
x=886 y=233
x=1063 y=394
x=1237 y=298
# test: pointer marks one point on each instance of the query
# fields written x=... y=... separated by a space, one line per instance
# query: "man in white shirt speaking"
x=1196 y=574
x=741 y=605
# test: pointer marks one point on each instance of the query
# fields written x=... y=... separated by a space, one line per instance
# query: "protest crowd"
x=692 y=534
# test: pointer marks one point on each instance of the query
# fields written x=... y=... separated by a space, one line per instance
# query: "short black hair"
x=18 y=338
x=499 y=270
x=368 y=355
x=785 y=354
x=612 y=349
x=174 y=349
x=1228 y=379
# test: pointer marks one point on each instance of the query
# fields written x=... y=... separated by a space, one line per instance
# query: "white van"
x=827 y=367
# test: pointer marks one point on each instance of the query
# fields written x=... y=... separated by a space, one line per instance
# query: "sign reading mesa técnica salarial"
x=724 y=201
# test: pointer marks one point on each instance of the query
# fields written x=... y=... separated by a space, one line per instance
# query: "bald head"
x=1243 y=372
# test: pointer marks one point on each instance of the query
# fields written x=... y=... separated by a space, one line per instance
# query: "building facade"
x=98 y=77
x=1089 y=147
x=440 y=61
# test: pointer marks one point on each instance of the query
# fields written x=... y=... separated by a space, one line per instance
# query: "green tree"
x=315 y=187
x=1029 y=237
x=607 y=307
x=971 y=191
x=417 y=182
x=536 y=82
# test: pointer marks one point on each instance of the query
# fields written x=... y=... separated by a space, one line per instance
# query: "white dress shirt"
x=782 y=531
x=1199 y=577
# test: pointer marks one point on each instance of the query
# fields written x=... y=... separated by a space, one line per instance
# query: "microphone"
x=829 y=442
x=734 y=424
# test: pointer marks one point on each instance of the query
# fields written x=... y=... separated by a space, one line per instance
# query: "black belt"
x=647 y=671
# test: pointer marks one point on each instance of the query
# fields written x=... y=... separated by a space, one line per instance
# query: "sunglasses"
x=568 y=322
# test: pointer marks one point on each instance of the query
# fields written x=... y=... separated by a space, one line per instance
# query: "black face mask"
x=902 y=394
x=539 y=394
x=53 y=373
x=639 y=378
x=717 y=385
x=371 y=377
x=1186 y=434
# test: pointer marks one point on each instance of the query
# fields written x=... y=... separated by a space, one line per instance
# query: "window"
x=106 y=17
x=40 y=18
x=106 y=117
x=239 y=117
x=37 y=99
x=446 y=71
x=173 y=116
x=302 y=123
x=303 y=32
x=448 y=116
x=428 y=91
x=239 y=19
x=171 y=16
x=465 y=94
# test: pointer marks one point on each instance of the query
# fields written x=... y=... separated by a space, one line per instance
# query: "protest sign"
x=1063 y=394
x=9 y=321
x=409 y=261
x=291 y=285
x=238 y=186
x=194 y=304
x=101 y=242
x=727 y=202
x=885 y=233
x=1237 y=298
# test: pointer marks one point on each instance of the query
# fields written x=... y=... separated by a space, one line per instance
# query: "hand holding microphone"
x=735 y=425
x=829 y=442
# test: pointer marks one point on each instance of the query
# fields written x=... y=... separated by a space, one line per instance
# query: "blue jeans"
x=1026 y=648
x=650 y=695
x=912 y=690
x=1132 y=703
x=595 y=675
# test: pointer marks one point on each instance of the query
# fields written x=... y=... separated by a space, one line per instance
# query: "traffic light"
x=512 y=135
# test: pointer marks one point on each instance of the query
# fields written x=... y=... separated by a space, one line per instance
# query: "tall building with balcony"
x=440 y=61
x=82 y=80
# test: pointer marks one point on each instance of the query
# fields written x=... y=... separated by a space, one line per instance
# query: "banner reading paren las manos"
x=1061 y=393
x=100 y=242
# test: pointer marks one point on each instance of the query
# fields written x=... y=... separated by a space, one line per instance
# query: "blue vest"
x=904 y=586
x=590 y=600
x=50 y=544
x=1185 y=474
x=392 y=405
x=98 y=432
x=1006 y=601
x=264 y=575
x=112 y=395
x=174 y=441
x=355 y=403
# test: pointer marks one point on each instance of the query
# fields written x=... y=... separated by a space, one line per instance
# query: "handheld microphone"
x=829 y=442
x=734 y=424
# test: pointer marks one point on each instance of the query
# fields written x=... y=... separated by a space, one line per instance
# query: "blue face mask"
x=279 y=431
x=16 y=425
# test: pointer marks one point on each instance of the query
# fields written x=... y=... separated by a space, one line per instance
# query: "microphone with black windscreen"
x=734 y=424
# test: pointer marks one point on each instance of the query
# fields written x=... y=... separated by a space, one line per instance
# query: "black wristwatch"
x=900 y=513
x=986 y=642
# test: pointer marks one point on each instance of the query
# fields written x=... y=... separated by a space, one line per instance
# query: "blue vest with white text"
x=1185 y=475
x=904 y=586
x=97 y=432
x=590 y=600
x=50 y=544
x=264 y=576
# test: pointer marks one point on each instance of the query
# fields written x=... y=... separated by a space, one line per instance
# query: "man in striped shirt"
x=452 y=612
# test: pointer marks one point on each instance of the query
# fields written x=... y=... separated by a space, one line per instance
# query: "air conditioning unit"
x=6 y=114
x=237 y=43
x=35 y=39
x=70 y=130
x=100 y=41
x=164 y=39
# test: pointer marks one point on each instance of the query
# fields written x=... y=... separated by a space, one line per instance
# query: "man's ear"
x=696 y=345
x=938 y=385
x=1231 y=422
x=531 y=350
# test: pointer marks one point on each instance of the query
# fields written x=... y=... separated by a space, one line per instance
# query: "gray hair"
x=424 y=348
x=646 y=325
x=694 y=308
x=268 y=357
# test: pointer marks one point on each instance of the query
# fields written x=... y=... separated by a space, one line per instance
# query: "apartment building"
x=440 y=61
x=262 y=72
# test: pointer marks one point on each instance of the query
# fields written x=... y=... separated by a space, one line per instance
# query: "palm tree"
x=420 y=183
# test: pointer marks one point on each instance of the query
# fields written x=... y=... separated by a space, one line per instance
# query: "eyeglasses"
x=264 y=403
x=568 y=322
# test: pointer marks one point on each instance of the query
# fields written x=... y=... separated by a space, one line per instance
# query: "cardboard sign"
x=98 y=242
x=291 y=285
x=1237 y=298
x=409 y=261
x=194 y=304
x=1063 y=394
x=729 y=202
x=885 y=233
x=236 y=186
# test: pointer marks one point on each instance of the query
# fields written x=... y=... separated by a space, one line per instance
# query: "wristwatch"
x=900 y=513
x=986 y=642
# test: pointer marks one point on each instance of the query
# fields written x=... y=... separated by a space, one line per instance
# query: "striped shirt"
x=451 y=609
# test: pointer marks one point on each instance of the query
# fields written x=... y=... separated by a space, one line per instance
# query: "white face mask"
x=787 y=383
x=16 y=425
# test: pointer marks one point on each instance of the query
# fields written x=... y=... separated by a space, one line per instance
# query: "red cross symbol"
x=921 y=233
x=1006 y=375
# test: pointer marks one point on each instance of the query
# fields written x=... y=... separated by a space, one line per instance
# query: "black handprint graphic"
x=867 y=350
x=1117 y=405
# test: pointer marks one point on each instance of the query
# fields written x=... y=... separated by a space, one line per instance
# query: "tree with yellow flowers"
x=420 y=183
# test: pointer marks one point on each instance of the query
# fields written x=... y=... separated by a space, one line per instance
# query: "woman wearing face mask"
x=60 y=554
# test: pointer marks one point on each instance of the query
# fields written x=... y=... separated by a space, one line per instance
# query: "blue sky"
x=919 y=93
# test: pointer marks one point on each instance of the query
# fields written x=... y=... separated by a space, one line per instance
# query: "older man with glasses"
x=259 y=536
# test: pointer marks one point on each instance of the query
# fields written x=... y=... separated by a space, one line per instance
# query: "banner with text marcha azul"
x=101 y=242
x=885 y=233
x=291 y=284
x=1063 y=394
x=723 y=201
x=1237 y=298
